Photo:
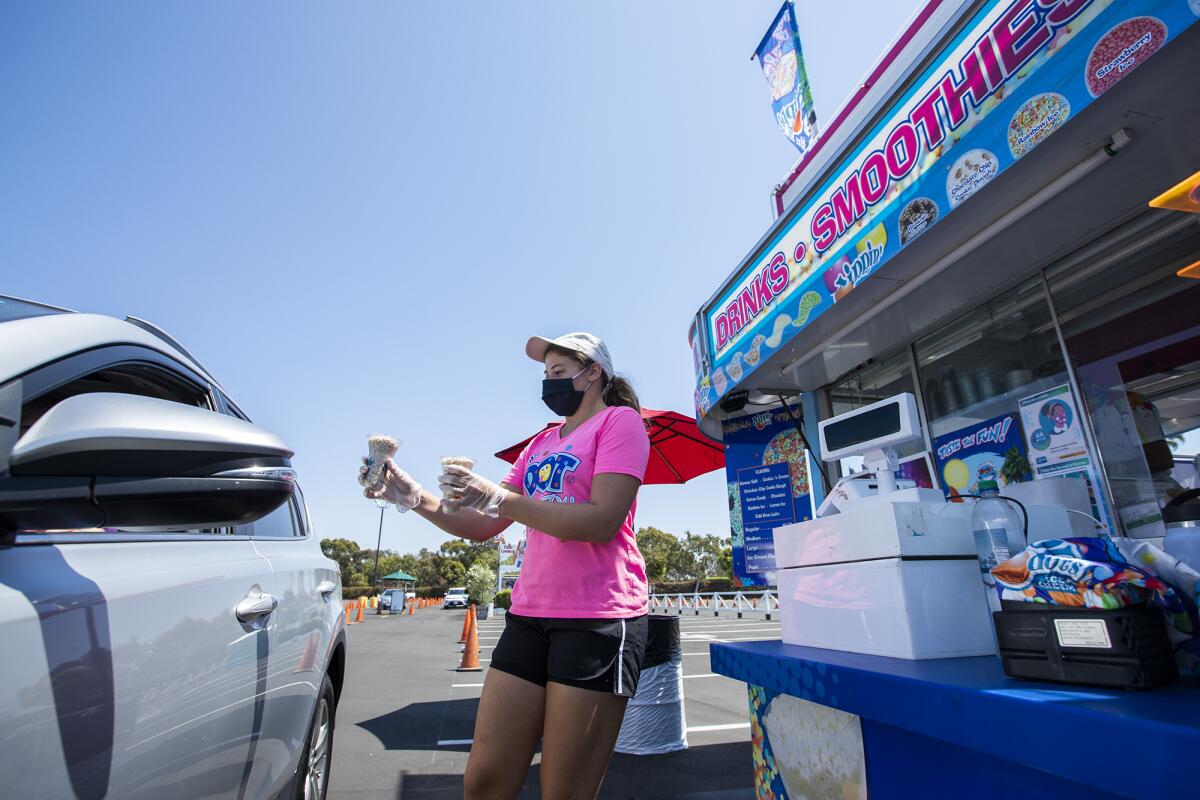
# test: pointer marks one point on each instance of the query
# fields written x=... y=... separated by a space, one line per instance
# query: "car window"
x=279 y=524
x=144 y=380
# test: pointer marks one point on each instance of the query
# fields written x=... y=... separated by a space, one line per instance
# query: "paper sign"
x=1054 y=433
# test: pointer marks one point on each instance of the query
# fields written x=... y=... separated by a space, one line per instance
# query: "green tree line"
x=668 y=558
x=447 y=566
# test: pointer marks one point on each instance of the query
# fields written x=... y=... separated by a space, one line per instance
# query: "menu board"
x=766 y=495
x=766 y=467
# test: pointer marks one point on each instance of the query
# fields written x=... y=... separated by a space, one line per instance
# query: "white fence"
x=716 y=603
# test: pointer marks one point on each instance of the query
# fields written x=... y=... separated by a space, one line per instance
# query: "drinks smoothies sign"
x=782 y=63
x=766 y=468
x=1015 y=73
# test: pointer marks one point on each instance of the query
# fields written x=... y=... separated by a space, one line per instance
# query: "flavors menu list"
x=766 y=497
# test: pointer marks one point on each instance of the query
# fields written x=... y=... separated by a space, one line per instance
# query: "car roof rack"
x=36 y=303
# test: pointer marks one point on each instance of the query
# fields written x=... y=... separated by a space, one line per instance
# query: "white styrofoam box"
x=888 y=530
x=888 y=607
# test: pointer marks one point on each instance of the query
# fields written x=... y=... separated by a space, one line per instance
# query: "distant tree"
x=351 y=560
x=659 y=549
x=481 y=584
x=489 y=558
x=703 y=555
x=453 y=572
x=725 y=561
x=467 y=553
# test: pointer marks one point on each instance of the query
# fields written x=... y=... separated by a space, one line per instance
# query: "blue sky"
x=355 y=214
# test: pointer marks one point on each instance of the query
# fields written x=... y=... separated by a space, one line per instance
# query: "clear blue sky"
x=355 y=214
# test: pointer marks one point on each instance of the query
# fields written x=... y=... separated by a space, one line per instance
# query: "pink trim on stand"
x=855 y=99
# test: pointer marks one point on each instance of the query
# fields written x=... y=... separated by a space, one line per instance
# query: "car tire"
x=312 y=776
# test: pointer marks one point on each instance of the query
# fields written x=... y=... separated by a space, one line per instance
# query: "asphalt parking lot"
x=406 y=715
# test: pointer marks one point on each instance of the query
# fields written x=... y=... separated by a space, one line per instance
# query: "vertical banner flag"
x=782 y=63
x=511 y=557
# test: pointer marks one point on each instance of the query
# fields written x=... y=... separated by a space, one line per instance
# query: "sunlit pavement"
x=406 y=716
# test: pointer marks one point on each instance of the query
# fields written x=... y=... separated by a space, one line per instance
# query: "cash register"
x=887 y=567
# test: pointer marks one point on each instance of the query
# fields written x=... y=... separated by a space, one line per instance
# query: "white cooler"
x=895 y=577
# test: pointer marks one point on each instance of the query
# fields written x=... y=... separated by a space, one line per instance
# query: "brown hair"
x=615 y=390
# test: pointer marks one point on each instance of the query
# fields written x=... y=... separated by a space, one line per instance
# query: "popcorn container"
x=457 y=461
x=379 y=449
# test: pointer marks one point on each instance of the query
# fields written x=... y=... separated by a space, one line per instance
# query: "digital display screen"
x=881 y=422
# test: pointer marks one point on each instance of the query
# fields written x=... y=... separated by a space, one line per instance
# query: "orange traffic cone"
x=308 y=659
x=412 y=607
x=462 y=637
x=359 y=616
x=470 y=658
x=348 y=607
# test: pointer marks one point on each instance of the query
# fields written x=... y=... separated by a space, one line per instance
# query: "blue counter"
x=959 y=727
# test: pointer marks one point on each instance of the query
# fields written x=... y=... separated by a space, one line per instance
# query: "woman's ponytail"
x=615 y=391
x=619 y=392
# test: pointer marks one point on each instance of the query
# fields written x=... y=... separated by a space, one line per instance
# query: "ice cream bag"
x=1093 y=573
x=1185 y=581
x=1083 y=572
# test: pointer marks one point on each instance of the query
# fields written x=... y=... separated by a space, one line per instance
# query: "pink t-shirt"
x=582 y=579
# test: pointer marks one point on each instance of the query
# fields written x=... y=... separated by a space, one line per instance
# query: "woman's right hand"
x=396 y=486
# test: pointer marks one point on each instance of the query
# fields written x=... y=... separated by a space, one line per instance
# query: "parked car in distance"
x=456 y=597
x=393 y=599
x=171 y=626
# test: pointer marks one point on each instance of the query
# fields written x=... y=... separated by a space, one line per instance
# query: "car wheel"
x=312 y=778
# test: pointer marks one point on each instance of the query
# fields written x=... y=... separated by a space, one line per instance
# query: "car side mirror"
x=116 y=460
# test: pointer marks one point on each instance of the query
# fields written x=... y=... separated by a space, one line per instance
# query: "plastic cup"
x=456 y=461
x=379 y=449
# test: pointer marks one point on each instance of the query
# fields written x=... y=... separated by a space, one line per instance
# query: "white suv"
x=170 y=625
x=456 y=597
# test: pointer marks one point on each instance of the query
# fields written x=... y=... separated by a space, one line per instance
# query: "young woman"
x=571 y=651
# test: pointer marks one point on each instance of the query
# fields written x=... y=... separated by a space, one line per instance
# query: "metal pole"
x=378 y=543
x=1106 y=503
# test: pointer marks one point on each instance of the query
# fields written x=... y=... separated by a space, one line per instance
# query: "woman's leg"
x=581 y=729
x=507 y=728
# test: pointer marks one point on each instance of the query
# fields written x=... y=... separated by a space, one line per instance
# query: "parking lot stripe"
x=705 y=629
x=464 y=685
x=704 y=675
x=453 y=742
x=730 y=727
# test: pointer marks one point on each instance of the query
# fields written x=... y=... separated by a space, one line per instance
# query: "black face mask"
x=561 y=396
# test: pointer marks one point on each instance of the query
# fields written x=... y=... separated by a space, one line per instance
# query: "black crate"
x=1125 y=647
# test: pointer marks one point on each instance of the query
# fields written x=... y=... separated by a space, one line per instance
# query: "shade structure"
x=678 y=450
x=398 y=576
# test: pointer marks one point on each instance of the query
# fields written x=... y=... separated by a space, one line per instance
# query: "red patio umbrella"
x=678 y=450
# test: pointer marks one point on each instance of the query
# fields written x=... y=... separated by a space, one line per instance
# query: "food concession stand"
x=977 y=228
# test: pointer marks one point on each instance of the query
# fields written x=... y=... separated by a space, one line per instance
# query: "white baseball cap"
x=579 y=342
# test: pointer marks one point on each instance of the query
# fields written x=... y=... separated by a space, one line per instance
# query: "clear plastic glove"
x=462 y=488
x=397 y=487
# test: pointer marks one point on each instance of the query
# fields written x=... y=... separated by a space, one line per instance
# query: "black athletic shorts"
x=604 y=655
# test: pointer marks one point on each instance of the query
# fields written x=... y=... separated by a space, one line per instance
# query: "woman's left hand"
x=462 y=488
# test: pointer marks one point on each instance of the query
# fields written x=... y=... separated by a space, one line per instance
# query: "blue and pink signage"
x=1016 y=72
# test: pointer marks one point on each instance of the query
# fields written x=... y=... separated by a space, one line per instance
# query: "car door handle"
x=326 y=588
x=256 y=606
